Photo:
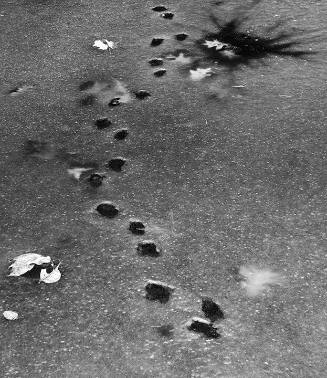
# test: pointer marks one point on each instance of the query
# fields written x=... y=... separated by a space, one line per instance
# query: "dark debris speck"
x=103 y=123
x=115 y=101
x=121 y=134
x=142 y=94
x=159 y=8
x=96 y=180
x=160 y=73
x=136 y=227
x=148 y=248
x=116 y=164
x=156 y=41
x=107 y=210
x=181 y=36
x=156 y=62
x=167 y=15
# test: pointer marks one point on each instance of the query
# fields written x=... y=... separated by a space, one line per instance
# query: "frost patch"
x=256 y=281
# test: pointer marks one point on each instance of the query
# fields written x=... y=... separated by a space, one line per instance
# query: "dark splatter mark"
x=159 y=8
x=156 y=41
x=167 y=15
x=136 y=227
x=87 y=85
x=142 y=94
x=121 y=134
x=116 y=164
x=160 y=73
x=181 y=36
x=158 y=291
x=107 y=210
x=165 y=330
x=231 y=46
x=203 y=326
x=103 y=123
x=148 y=248
x=211 y=310
x=156 y=62
x=115 y=101
x=88 y=100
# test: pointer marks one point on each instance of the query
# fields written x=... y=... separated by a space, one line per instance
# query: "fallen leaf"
x=10 y=315
x=200 y=73
x=52 y=277
x=215 y=43
x=76 y=172
x=26 y=262
x=104 y=44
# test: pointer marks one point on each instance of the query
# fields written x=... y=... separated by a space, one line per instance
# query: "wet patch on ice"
x=106 y=92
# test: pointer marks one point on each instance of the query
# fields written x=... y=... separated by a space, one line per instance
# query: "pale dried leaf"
x=52 y=277
x=76 y=172
x=26 y=262
x=215 y=44
x=104 y=44
x=200 y=73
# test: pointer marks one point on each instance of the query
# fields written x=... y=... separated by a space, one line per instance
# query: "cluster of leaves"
x=231 y=46
x=33 y=264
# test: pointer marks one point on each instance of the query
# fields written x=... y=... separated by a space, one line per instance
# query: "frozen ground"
x=222 y=177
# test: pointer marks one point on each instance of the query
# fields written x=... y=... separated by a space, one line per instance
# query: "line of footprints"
x=155 y=290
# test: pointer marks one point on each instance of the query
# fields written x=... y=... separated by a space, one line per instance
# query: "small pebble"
x=103 y=123
x=156 y=62
x=107 y=210
x=142 y=94
x=156 y=41
x=167 y=15
x=96 y=180
x=160 y=73
x=159 y=8
x=116 y=164
x=121 y=134
x=160 y=291
x=181 y=36
x=211 y=310
x=203 y=326
x=115 y=101
x=148 y=248
x=137 y=227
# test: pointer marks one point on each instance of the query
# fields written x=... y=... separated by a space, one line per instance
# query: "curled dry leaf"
x=104 y=44
x=200 y=73
x=10 y=315
x=52 y=277
x=77 y=172
x=26 y=262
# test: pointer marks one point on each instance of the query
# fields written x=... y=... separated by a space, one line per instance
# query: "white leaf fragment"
x=10 y=315
x=215 y=44
x=26 y=262
x=255 y=281
x=200 y=73
x=104 y=44
x=51 y=277
x=76 y=172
